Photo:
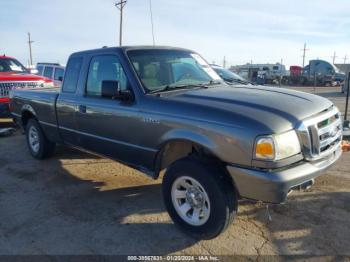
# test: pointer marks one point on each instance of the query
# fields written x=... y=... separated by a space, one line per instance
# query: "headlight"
x=277 y=147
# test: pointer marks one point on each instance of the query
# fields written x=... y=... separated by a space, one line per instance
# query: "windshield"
x=227 y=75
x=159 y=69
x=11 y=65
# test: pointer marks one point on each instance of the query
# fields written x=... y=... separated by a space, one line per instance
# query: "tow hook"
x=345 y=146
x=307 y=185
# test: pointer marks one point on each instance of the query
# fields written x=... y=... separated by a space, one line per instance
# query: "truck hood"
x=276 y=109
x=13 y=76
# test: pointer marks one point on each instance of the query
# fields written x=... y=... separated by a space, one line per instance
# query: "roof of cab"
x=127 y=48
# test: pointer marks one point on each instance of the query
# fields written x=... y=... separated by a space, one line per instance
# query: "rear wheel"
x=198 y=199
x=39 y=146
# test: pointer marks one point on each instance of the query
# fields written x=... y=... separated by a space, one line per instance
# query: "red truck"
x=13 y=75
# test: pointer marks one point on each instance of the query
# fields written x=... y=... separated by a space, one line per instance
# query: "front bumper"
x=4 y=110
x=274 y=186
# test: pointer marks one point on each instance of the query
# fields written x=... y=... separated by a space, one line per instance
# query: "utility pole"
x=345 y=58
x=120 y=5
x=30 y=49
x=224 y=62
x=334 y=57
x=150 y=10
x=304 y=53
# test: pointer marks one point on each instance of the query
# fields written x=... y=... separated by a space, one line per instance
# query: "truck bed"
x=39 y=101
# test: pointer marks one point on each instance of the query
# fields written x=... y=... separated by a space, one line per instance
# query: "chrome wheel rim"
x=190 y=200
x=33 y=137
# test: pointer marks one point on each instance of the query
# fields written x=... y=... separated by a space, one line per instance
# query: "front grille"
x=321 y=135
x=6 y=87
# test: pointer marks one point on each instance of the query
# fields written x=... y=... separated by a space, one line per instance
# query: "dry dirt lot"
x=76 y=203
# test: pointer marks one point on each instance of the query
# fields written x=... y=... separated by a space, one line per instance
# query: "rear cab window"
x=72 y=75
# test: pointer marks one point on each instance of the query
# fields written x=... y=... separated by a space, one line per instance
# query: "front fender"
x=229 y=145
x=187 y=135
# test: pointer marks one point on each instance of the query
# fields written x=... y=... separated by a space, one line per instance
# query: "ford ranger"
x=164 y=108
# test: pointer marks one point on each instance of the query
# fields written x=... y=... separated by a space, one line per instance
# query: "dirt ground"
x=76 y=203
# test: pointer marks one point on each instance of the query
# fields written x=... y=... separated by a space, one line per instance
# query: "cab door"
x=110 y=126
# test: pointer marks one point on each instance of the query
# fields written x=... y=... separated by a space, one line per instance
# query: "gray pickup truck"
x=164 y=108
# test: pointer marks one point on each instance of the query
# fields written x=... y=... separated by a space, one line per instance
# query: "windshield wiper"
x=175 y=87
x=213 y=82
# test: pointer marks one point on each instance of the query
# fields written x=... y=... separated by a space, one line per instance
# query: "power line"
x=120 y=5
x=304 y=53
x=150 y=9
x=30 y=49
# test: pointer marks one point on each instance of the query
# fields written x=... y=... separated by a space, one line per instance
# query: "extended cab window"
x=72 y=75
x=106 y=67
x=48 y=71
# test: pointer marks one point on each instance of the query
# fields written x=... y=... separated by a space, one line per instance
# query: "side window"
x=72 y=75
x=106 y=67
x=58 y=73
x=40 y=70
x=48 y=71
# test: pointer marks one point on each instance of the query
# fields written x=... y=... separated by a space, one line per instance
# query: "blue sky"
x=241 y=30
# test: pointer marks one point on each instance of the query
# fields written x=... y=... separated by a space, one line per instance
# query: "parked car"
x=53 y=71
x=162 y=108
x=229 y=76
x=14 y=75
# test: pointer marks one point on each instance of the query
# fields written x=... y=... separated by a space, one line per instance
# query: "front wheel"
x=198 y=199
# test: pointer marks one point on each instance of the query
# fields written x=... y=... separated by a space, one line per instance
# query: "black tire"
x=45 y=147
x=219 y=189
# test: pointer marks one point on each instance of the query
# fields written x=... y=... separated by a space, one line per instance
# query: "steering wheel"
x=183 y=76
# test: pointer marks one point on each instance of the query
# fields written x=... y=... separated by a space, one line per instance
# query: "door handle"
x=82 y=109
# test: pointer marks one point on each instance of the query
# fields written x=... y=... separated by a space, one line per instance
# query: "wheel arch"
x=27 y=112
x=182 y=143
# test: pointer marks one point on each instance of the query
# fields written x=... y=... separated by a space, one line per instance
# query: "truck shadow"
x=64 y=212
x=309 y=223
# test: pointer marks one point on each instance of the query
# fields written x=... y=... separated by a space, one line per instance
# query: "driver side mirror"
x=111 y=89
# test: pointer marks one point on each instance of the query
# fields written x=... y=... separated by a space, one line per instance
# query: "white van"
x=53 y=71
